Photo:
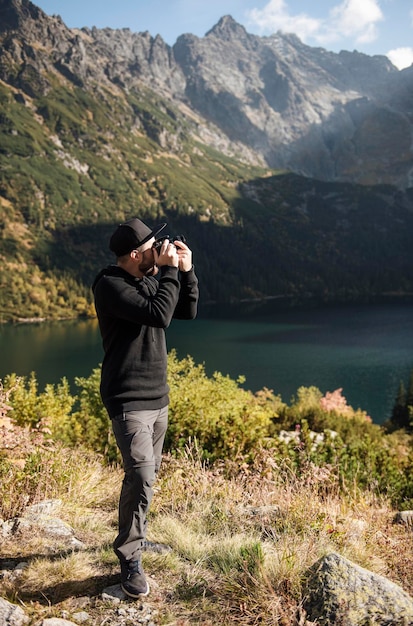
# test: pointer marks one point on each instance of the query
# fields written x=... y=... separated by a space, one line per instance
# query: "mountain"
x=287 y=167
x=272 y=100
x=299 y=108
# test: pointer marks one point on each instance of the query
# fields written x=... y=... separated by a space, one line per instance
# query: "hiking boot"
x=133 y=580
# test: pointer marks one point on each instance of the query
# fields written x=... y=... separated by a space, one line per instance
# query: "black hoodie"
x=133 y=314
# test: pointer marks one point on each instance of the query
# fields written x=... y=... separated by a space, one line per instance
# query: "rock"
x=113 y=594
x=48 y=525
x=11 y=614
x=20 y=567
x=45 y=507
x=404 y=517
x=293 y=436
x=81 y=617
x=338 y=591
x=41 y=517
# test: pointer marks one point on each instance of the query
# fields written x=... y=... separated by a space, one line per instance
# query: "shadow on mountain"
x=291 y=237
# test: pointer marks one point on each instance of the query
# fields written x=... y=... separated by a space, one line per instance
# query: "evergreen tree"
x=400 y=413
x=409 y=402
x=409 y=397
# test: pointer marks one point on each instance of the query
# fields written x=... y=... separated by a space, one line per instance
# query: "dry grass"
x=230 y=563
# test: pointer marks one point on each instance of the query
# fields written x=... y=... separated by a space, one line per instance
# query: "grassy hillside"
x=245 y=509
x=74 y=163
x=71 y=167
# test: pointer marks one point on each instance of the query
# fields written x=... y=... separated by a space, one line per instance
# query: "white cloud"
x=351 y=19
x=275 y=16
x=401 y=57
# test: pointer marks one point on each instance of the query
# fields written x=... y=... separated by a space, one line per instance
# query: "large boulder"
x=338 y=592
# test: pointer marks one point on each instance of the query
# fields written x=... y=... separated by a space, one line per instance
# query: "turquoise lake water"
x=366 y=350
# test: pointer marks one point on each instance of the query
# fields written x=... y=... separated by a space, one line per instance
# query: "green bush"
x=50 y=409
x=233 y=425
x=224 y=419
x=93 y=419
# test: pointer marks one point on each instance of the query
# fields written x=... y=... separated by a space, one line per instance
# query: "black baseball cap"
x=131 y=235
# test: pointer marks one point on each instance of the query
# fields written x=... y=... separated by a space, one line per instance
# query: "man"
x=134 y=308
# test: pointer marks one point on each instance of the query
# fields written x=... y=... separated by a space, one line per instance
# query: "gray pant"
x=140 y=436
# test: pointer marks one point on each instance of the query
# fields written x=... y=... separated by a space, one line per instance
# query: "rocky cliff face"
x=268 y=100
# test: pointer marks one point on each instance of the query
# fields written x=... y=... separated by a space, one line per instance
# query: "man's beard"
x=148 y=268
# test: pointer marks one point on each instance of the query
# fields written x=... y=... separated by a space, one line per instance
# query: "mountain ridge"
x=273 y=100
x=215 y=135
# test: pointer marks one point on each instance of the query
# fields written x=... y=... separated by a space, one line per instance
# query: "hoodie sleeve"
x=187 y=306
x=144 y=302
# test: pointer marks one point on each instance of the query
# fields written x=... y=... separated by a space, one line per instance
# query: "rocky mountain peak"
x=15 y=13
x=227 y=29
x=269 y=100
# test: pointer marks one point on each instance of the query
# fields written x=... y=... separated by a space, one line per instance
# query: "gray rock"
x=404 y=517
x=45 y=507
x=339 y=592
x=11 y=614
x=81 y=617
x=113 y=594
x=47 y=524
x=42 y=516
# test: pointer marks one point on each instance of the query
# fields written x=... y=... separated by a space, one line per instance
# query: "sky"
x=369 y=26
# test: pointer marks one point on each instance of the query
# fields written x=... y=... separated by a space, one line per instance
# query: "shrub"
x=231 y=424
x=92 y=417
x=50 y=409
x=225 y=419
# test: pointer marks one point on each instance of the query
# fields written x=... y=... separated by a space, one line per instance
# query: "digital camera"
x=158 y=243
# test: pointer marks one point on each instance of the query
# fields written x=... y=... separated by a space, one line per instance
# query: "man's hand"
x=184 y=256
x=168 y=255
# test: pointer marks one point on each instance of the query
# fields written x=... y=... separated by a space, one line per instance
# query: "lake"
x=366 y=349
